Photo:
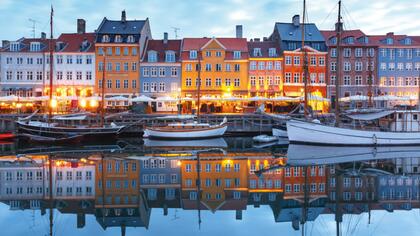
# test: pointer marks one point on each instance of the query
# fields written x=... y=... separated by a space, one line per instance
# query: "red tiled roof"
x=160 y=47
x=231 y=44
x=328 y=34
x=380 y=39
x=264 y=46
x=73 y=42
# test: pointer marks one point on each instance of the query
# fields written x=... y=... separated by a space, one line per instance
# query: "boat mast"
x=103 y=94
x=51 y=49
x=338 y=29
x=50 y=186
x=418 y=92
x=198 y=183
x=305 y=63
x=370 y=93
x=198 y=85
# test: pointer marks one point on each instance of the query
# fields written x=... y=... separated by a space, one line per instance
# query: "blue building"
x=397 y=192
x=160 y=73
x=289 y=35
x=398 y=64
x=160 y=180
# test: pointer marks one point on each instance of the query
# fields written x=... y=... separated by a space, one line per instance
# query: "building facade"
x=118 y=46
x=265 y=69
x=358 y=67
x=23 y=66
x=224 y=67
x=160 y=72
x=399 y=64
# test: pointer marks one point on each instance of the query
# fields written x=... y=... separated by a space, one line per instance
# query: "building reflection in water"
x=122 y=190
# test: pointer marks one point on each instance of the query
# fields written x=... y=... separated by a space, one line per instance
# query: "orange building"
x=265 y=69
x=223 y=181
x=294 y=74
x=297 y=177
x=119 y=46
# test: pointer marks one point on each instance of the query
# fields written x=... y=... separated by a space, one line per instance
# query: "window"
x=59 y=59
x=391 y=66
x=358 y=80
x=347 y=80
x=109 y=51
x=313 y=61
x=109 y=66
x=296 y=188
x=358 y=52
x=347 y=52
x=347 y=66
x=237 y=67
x=313 y=78
x=193 y=54
x=161 y=72
x=153 y=72
x=133 y=51
x=188 y=82
x=117 y=66
x=69 y=75
x=257 y=52
x=218 y=53
x=152 y=56
x=117 y=84
x=261 y=65
x=174 y=71
x=218 y=167
x=227 y=67
x=208 y=67
x=117 y=51
x=333 y=52
x=237 y=55
x=296 y=78
x=277 y=65
x=253 y=65
x=358 y=66
x=125 y=51
x=169 y=56
x=272 y=52
x=288 y=60
x=321 y=78
x=208 y=82
x=236 y=82
x=296 y=60
x=218 y=82
x=208 y=54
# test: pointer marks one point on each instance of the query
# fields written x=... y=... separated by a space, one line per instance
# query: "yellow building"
x=224 y=68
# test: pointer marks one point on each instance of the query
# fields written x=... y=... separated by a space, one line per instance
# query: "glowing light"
x=83 y=160
x=178 y=163
x=83 y=103
x=53 y=103
x=19 y=105
x=93 y=103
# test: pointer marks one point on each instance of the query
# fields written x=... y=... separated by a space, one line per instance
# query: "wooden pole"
x=103 y=94
x=51 y=49
x=198 y=84
x=305 y=63
x=338 y=66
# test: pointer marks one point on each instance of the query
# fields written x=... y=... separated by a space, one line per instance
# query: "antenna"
x=176 y=31
x=33 y=27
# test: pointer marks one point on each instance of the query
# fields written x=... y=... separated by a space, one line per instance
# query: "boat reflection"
x=122 y=189
x=214 y=142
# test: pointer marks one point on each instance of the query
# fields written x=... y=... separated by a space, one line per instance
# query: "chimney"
x=43 y=35
x=123 y=16
x=81 y=26
x=265 y=39
x=296 y=20
x=5 y=43
x=256 y=39
x=165 y=38
x=239 y=33
x=390 y=34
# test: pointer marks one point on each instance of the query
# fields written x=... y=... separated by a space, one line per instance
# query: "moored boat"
x=280 y=131
x=264 y=138
x=188 y=130
x=7 y=136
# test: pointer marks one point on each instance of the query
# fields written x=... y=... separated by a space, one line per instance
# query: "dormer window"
x=118 y=39
x=350 y=40
x=169 y=56
x=152 y=56
x=105 y=39
x=130 y=39
x=389 y=41
x=35 y=47
x=333 y=40
x=193 y=54
x=236 y=54
x=257 y=52
x=272 y=52
x=14 y=47
x=407 y=41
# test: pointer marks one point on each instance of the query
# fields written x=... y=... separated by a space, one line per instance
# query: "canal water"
x=207 y=187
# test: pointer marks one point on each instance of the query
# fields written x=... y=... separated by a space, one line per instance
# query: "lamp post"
x=179 y=105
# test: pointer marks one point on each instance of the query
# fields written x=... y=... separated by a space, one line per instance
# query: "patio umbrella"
x=142 y=98
x=354 y=98
x=10 y=98
x=117 y=98
x=284 y=99
x=166 y=99
x=257 y=99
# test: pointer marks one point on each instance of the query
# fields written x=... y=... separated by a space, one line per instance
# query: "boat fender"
x=224 y=121
x=316 y=121
x=374 y=139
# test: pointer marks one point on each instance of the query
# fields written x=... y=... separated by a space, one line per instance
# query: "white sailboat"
x=188 y=130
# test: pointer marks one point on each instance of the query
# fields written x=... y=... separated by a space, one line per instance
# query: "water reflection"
x=120 y=184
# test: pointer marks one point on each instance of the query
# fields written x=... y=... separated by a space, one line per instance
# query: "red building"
x=296 y=178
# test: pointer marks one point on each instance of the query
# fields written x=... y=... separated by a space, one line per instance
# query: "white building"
x=22 y=66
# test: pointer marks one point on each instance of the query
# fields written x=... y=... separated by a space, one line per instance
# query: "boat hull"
x=313 y=133
x=212 y=132
x=50 y=130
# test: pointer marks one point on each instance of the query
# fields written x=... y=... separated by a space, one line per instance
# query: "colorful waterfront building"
x=298 y=177
x=74 y=64
x=119 y=44
x=358 y=69
x=160 y=72
x=289 y=37
x=23 y=66
x=224 y=68
x=265 y=69
x=398 y=64
x=224 y=183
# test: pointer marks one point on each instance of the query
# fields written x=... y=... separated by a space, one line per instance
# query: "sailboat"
x=188 y=130
x=300 y=131
x=52 y=131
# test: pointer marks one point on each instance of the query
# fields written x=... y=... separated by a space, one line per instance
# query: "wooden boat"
x=188 y=130
x=208 y=143
x=55 y=130
x=400 y=132
x=264 y=138
x=280 y=131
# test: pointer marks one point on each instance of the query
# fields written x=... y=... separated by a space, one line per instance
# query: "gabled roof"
x=120 y=27
x=290 y=32
x=74 y=42
x=160 y=47
x=264 y=46
x=231 y=44
x=356 y=34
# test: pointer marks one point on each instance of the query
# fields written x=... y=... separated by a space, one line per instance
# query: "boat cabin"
x=394 y=121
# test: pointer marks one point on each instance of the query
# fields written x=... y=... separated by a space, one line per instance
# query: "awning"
x=370 y=116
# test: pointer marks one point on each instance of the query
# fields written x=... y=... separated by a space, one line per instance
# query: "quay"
x=244 y=123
